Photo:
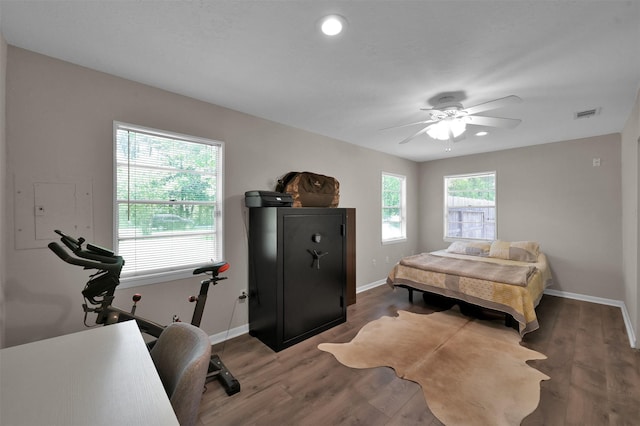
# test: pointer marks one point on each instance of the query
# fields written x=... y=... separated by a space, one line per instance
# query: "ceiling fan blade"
x=495 y=104
x=453 y=139
x=478 y=120
x=414 y=136
x=410 y=124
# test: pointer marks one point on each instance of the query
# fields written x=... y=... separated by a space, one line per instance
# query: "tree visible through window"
x=168 y=191
x=393 y=207
x=470 y=206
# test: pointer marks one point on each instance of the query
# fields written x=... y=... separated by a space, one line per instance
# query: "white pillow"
x=472 y=248
x=523 y=251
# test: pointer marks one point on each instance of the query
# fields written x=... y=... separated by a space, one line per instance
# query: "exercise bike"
x=100 y=289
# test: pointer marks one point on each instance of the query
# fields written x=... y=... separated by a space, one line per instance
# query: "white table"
x=103 y=376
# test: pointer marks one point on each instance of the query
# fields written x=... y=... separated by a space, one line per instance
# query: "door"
x=313 y=273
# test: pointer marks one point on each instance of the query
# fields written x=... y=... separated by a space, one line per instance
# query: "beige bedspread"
x=508 y=274
x=484 y=286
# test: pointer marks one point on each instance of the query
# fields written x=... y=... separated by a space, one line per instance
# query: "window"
x=168 y=203
x=470 y=206
x=393 y=208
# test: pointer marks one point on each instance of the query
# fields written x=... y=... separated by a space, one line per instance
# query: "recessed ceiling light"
x=482 y=133
x=332 y=25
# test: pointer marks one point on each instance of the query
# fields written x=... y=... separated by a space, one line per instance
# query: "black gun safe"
x=297 y=273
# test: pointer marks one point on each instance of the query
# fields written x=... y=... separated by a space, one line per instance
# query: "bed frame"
x=466 y=308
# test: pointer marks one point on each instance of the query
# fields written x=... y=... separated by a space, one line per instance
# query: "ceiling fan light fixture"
x=448 y=119
x=442 y=129
x=332 y=25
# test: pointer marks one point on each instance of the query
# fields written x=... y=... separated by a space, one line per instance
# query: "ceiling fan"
x=448 y=119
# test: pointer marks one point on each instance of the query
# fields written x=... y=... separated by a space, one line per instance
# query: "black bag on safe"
x=310 y=189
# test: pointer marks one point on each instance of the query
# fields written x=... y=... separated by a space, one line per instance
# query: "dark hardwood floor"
x=595 y=375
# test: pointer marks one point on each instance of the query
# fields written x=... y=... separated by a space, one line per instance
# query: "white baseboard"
x=229 y=334
x=370 y=286
x=244 y=329
x=602 y=301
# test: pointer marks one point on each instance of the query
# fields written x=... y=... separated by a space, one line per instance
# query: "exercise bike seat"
x=214 y=268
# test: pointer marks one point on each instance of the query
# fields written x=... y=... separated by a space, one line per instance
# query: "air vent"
x=587 y=113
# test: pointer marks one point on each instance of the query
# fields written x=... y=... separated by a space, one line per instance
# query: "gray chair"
x=181 y=356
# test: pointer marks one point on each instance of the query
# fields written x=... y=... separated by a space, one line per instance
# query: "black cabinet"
x=297 y=273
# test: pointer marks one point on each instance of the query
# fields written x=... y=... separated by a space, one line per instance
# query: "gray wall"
x=630 y=220
x=3 y=177
x=59 y=127
x=551 y=194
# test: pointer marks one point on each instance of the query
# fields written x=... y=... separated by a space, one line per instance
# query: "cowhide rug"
x=472 y=372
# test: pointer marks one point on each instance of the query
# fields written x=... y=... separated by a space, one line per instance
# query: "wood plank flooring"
x=595 y=375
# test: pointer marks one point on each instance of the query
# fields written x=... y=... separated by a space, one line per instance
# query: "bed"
x=508 y=277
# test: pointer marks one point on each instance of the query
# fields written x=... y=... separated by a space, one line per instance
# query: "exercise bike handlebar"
x=111 y=264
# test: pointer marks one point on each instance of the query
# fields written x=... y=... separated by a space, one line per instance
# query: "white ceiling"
x=267 y=58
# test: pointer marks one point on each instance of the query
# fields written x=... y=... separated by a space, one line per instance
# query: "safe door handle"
x=317 y=255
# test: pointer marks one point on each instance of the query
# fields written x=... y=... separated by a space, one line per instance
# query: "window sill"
x=161 y=277
x=453 y=239
x=394 y=241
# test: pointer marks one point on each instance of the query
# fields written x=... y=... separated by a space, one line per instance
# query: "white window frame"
x=472 y=205
x=402 y=207
x=184 y=270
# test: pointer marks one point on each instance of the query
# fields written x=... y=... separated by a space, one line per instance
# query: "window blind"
x=168 y=199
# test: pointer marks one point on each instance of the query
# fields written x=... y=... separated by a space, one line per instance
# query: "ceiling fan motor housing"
x=448 y=112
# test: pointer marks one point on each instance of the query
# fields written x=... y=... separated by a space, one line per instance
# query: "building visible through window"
x=470 y=206
x=168 y=201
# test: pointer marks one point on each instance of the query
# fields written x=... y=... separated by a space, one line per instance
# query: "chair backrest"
x=181 y=356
